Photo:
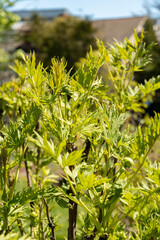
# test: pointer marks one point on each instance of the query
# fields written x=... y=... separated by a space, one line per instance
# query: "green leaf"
x=62 y=202
x=72 y=158
x=88 y=180
x=136 y=38
x=60 y=148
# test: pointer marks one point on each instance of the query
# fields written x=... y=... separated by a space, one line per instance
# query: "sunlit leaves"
x=125 y=59
x=17 y=132
x=30 y=119
x=43 y=143
x=14 y=137
x=88 y=180
x=73 y=158
x=143 y=141
x=68 y=128
x=59 y=74
x=150 y=86
x=86 y=74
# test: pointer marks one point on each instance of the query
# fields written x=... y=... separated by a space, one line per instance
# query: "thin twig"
x=27 y=174
x=73 y=206
x=20 y=227
x=30 y=186
x=50 y=223
x=86 y=150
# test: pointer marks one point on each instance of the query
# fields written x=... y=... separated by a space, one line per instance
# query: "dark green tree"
x=6 y=40
x=65 y=36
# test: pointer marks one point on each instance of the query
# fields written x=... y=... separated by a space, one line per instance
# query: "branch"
x=50 y=223
x=73 y=206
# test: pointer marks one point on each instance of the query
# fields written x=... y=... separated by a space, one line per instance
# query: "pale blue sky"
x=96 y=9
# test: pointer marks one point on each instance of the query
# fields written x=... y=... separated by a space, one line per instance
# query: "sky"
x=94 y=9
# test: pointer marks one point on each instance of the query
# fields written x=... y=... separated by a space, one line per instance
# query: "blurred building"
x=156 y=28
x=45 y=13
x=110 y=29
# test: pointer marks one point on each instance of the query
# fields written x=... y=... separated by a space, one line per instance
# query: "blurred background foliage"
x=7 y=19
x=65 y=36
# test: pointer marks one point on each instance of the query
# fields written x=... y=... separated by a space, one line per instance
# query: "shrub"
x=62 y=125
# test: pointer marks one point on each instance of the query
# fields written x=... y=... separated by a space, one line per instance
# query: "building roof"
x=118 y=29
x=46 y=13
